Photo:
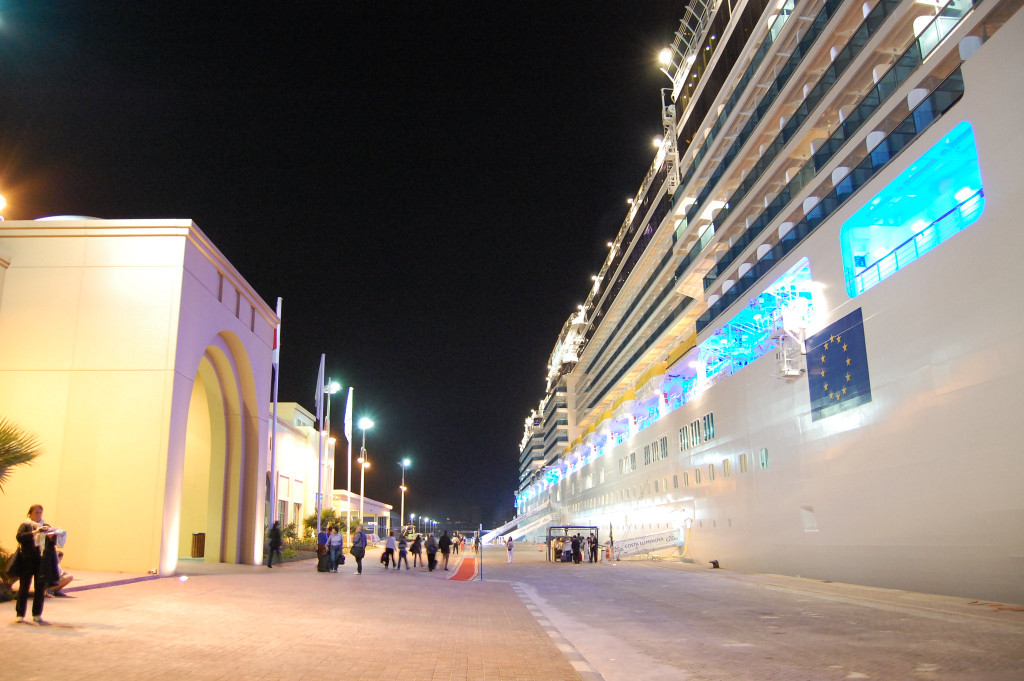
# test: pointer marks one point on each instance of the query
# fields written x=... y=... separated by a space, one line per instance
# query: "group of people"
x=572 y=548
x=36 y=564
x=444 y=545
x=397 y=547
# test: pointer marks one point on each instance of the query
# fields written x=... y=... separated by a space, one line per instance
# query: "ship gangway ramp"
x=541 y=513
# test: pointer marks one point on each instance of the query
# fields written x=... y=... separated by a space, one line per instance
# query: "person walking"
x=445 y=544
x=456 y=540
x=335 y=546
x=321 y=543
x=509 y=545
x=29 y=564
x=417 y=551
x=358 y=549
x=403 y=553
x=431 y=552
x=592 y=541
x=577 y=554
x=274 y=538
x=389 y=550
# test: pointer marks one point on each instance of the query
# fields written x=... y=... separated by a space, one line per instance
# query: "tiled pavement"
x=530 y=620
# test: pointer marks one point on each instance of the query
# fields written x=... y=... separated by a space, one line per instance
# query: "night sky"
x=428 y=186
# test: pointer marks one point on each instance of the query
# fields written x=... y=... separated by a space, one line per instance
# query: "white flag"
x=348 y=416
x=277 y=336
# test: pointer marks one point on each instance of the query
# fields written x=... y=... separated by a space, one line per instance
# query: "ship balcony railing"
x=930 y=109
x=887 y=85
x=913 y=248
x=826 y=81
x=630 y=225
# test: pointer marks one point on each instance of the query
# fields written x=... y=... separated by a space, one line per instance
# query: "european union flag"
x=837 y=367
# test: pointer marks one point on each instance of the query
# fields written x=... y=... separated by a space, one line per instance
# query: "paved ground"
x=531 y=620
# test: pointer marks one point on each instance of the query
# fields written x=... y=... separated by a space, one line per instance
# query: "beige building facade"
x=297 y=458
x=141 y=359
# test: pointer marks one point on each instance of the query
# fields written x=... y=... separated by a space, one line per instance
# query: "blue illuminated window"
x=936 y=197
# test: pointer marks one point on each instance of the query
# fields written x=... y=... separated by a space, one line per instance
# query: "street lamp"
x=329 y=389
x=364 y=425
x=405 y=464
x=363 y=465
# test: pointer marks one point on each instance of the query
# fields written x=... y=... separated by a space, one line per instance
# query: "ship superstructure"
x=799 y=350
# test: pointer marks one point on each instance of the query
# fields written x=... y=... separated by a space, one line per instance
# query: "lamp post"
x=329 y=389
x=363 y=465
x=401 y=514
x=364 y=425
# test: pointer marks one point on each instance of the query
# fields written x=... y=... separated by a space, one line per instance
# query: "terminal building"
x=141 y=359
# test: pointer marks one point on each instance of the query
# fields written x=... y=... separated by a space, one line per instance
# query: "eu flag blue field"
x=837 y=367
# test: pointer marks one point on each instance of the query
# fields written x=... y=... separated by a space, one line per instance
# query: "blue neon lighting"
x=936 y=197
x=749 y=334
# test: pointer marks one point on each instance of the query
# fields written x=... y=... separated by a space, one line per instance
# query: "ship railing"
x=953 y=221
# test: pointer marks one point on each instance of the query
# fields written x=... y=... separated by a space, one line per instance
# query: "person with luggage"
x=358 y=549
x=390 y=546
x=335 y=546
x=321 y=543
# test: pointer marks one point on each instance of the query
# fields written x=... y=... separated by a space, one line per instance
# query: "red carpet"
x=466 y=571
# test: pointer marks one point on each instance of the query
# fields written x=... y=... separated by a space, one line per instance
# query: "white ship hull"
x=922 y=487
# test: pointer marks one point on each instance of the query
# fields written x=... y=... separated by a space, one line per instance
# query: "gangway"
x=517 y=521
x=521 y=532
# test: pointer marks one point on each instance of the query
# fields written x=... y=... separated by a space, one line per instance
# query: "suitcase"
x=324 y=564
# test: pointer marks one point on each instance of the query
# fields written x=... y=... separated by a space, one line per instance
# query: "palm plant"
x=16 y=447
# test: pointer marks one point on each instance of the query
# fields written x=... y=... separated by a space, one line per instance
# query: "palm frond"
x=16 y=447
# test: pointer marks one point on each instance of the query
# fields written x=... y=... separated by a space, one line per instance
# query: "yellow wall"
x=93 y=317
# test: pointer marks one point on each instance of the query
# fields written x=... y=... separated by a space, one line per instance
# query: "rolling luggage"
x=324 y=564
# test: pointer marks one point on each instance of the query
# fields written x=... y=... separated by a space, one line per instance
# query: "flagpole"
x=348 y=484
x=273 y=424
x=320 y=437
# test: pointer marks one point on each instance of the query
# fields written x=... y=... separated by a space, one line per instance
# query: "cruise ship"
x=804 y=351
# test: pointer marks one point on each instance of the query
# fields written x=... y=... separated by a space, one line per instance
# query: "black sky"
x=427 y=185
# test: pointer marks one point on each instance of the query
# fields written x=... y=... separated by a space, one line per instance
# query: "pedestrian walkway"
x=528 y=620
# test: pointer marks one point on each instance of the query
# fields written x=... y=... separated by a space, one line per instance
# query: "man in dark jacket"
x=445 y=544
x=30 y=565
x=275 y=542
x=431 y=547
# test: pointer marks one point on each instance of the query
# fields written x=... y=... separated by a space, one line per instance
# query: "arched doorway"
x=220 y=470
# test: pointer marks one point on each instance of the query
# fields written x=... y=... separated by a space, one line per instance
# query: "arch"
x=215 y=487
